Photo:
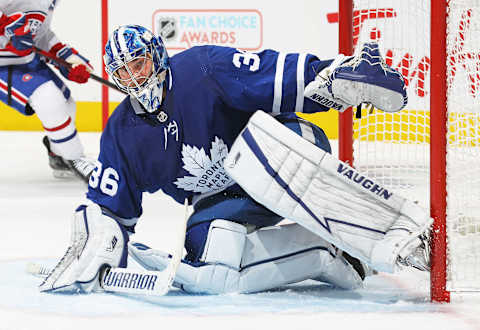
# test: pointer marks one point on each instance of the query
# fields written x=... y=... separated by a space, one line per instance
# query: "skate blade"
x=64 y=175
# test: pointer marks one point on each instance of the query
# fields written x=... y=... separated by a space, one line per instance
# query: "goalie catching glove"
x=97 y=242
x=364 y=78
x=80 y=66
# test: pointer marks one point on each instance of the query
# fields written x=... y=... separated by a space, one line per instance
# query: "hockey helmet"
x=137 y=61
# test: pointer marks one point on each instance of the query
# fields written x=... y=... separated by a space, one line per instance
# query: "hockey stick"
x=121 y=280
x=135 y=281
x=67 y=65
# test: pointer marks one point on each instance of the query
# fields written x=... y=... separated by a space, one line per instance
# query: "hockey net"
x=395 y=148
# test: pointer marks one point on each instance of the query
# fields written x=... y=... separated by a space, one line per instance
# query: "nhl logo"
x=162 y=117
x=167 y=28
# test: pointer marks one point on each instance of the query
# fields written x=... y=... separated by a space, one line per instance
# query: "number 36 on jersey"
x=106 y=179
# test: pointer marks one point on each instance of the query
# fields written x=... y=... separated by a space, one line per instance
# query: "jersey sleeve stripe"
x=277 y=90
x=127 y=222
x=300 y=82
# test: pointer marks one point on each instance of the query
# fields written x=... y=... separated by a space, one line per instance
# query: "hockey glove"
x=16 y=35
x=80 y=66
x=97 y=241
x=364 y=78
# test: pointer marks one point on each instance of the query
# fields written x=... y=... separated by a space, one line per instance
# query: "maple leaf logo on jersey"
x=207 y=174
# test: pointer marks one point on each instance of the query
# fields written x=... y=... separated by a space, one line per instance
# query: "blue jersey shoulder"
x=211 y=92
x=125 y=147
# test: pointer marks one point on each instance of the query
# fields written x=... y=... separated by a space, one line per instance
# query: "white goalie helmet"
x=137 y=61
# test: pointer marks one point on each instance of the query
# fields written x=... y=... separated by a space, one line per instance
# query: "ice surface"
x=35 y=212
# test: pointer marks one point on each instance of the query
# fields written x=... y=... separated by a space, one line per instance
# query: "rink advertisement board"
x=184 y=28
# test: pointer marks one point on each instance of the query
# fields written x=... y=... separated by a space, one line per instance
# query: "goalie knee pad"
x=97 y=241
x=217 y=270
x=225 y=243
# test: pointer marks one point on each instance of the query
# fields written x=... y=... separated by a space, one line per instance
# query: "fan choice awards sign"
x=184 y=28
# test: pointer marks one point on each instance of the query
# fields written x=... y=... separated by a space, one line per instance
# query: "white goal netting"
x=395 y=148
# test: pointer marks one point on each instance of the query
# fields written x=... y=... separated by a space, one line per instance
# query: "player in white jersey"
x=191 y=128
x=28 y=85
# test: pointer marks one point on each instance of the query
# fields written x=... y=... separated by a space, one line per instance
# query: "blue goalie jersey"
x=211 y=93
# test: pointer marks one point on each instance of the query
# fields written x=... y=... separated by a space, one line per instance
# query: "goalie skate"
x=420 y=257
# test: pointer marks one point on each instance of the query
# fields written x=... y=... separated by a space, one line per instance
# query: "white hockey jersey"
x=39 y=16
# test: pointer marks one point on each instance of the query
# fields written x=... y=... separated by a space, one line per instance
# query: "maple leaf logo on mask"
x=207 y=174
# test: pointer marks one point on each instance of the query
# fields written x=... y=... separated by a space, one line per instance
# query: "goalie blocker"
x=299 y=181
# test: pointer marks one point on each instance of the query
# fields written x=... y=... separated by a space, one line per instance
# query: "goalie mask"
x=137 y=61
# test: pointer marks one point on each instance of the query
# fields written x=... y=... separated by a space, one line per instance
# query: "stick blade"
x=136 y=281
x=37 y=269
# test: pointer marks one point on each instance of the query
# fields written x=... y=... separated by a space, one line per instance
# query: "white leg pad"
x=271 y=257
x=301 y=182
x=281 y=255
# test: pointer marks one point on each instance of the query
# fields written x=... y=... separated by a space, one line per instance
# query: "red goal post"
x=430 y=151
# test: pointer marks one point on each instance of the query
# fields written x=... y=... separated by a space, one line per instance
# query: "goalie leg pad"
x=97 y=241
x=280 y=255
x=301 y=182
x=270 y=257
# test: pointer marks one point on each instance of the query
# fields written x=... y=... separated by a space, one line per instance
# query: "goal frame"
x=438 y=134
